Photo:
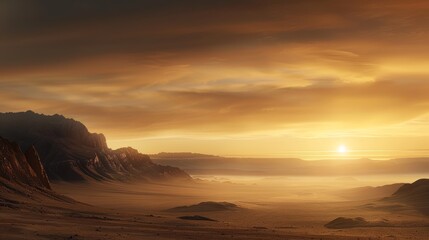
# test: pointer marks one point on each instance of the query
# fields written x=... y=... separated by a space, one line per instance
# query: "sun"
x=342 y=148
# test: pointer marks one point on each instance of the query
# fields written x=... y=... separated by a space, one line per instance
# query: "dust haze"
x=207 y=120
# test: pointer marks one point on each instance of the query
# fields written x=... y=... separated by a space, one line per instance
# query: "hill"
x=369 y=192
x=415 y=194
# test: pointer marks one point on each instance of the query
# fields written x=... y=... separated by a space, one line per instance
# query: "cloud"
x=344 y=106
x=52 y=35
x=140 y=68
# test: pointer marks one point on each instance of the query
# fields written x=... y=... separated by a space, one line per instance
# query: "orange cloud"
x=220 y=68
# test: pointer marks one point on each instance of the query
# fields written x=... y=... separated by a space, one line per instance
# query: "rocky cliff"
x=35 y=163
x=70 y=152
x=15 y=166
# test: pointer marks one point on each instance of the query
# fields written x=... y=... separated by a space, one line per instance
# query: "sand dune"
x=415 y=194
x=369 y=192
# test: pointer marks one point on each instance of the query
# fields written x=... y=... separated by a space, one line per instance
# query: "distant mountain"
x=196 y=163
x=70 y=152
x=415 y=194
x=214 y=165
x=179 y=155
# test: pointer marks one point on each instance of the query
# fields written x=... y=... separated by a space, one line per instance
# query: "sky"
x=234 y=78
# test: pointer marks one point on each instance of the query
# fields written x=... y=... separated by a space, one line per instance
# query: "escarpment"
x=69 y=152
x=15 y=166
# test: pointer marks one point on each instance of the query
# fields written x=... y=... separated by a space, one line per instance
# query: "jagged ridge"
x=70 y=152
x=21 y=168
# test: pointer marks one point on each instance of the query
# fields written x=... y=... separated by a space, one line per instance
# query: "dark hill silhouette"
x=197 y=218
x=415 y=194
x=70 y=152
x=343 y=222
x=206 y=207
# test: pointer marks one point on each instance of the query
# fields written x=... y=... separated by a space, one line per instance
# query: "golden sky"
x=242 y=78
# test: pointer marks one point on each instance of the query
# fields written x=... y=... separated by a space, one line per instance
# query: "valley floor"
x=137 y=211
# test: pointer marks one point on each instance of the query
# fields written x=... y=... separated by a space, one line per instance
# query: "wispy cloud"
x=147 y=68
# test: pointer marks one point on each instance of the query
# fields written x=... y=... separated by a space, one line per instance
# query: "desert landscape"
x=214 y=119
x=126 y=195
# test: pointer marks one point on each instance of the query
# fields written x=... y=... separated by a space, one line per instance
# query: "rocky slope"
x=17 y=167
x=70 y=152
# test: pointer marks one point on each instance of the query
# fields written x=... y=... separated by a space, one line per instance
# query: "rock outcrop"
x=15 y=166
x=197 y=218
x=33 y=160
x=343 y=222
x=70 y=152
x=206 y=207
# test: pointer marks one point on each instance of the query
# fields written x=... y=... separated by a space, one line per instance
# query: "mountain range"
x=201 y=164
x=69 y=152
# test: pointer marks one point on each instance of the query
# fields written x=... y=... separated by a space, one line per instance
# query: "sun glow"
x=342 y=149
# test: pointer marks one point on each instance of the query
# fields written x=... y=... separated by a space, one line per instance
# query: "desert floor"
x=269 y=209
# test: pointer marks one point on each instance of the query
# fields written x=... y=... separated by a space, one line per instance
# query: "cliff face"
x=15 y=166
x=33 y=160
x=70 y=152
